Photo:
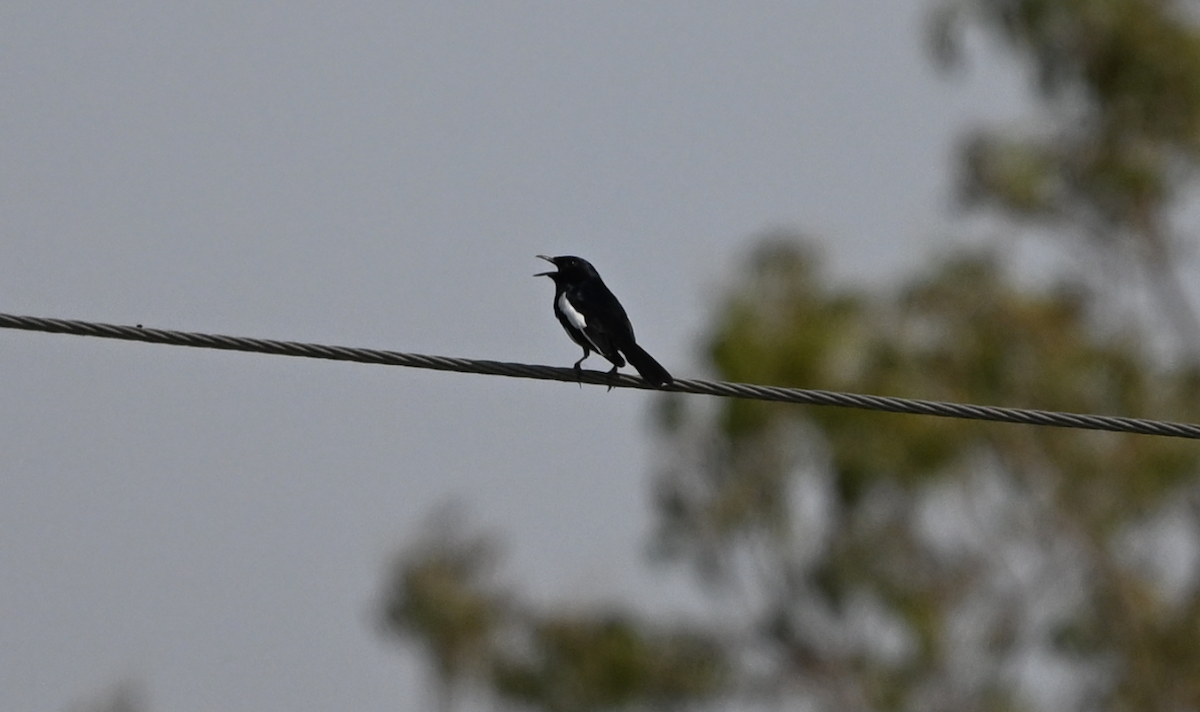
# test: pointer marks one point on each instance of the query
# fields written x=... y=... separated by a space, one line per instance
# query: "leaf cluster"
x=443 y=598
x=961 y=332
x=1123 y=79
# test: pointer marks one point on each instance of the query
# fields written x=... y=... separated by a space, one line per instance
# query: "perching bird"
x=595 y=320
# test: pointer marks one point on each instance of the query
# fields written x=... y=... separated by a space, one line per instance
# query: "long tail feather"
x=650 y=369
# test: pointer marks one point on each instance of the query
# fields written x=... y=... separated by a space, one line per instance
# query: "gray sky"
x=216 y=526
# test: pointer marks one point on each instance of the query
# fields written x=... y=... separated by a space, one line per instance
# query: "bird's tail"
x=650 y=369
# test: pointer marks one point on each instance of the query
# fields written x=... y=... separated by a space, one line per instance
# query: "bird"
x=595 y=320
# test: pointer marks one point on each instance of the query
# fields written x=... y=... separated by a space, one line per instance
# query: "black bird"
x=595 y=320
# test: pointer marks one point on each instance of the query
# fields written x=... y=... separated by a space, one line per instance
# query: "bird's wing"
x=599 y=316
x=604 y=313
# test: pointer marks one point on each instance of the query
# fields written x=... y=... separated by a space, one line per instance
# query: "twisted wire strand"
x=802 y=396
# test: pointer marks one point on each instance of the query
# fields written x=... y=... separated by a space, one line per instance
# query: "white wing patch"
x=572 y=314
x=577 y=320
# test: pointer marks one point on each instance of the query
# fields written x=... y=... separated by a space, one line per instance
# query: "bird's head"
x=568 y=267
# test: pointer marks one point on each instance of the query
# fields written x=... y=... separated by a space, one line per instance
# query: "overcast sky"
x=216 y=526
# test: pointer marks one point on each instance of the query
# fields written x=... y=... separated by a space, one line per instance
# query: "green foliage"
x=962 y=332
x=440 y=595
x=609 y=662
x=1123 y=80
x=442 y=598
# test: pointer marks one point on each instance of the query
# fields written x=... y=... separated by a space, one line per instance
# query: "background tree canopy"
x=873 y=561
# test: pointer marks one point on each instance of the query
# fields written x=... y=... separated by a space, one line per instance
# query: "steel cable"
x=802 y=396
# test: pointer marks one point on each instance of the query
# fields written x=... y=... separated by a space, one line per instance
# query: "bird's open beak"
x=545 y=274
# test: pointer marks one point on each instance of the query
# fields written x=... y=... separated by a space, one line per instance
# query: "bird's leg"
x=612 y=378
x=579 y=367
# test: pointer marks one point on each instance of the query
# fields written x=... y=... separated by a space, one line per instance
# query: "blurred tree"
x=477 y=636
x=1116 y=156
x=441 y=594
x=892 y=562
x=863 y=561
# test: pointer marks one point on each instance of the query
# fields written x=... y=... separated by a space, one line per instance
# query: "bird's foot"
x=612 y=378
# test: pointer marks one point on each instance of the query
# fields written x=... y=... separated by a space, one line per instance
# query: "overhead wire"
x=802 y=396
